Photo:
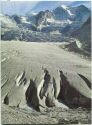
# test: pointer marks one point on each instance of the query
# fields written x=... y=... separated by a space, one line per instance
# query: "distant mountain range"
x=23 y=7
x=45 y=5
x=78 y=3
x=63 y=18
x=60 y=18
x=56 y=25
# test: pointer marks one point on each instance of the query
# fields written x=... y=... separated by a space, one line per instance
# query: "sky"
x=45 y=0
x=22 y=7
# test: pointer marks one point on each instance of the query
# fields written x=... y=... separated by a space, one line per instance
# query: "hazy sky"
x=45 y=0
x=21 y=7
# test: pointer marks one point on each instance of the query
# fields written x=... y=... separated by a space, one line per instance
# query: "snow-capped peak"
x=64 y=7
x=34 y=13
x=67 y=9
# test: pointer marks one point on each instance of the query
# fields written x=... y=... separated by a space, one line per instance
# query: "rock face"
x=43 y=16
x=61 y=13
x=71 y=91
x=84 y=35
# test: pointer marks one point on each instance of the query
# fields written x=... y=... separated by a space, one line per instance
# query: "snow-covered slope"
x=7 y=22
x=67 y=9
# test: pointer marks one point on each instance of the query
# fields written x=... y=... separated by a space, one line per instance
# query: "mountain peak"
x=64 y=7
x=82 y=7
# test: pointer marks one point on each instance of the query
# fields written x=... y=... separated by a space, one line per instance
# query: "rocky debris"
x=12 y=115
x=73 y=92
x=75 y=46
x=71 y=46
x=53 y=115
x=32 y=36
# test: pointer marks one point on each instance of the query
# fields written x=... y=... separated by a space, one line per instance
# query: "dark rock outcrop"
x=41 y=17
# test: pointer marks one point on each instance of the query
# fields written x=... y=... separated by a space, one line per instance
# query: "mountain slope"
x=84 y=35
x=7 y=24
x=81 y=13
x=62 y=12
